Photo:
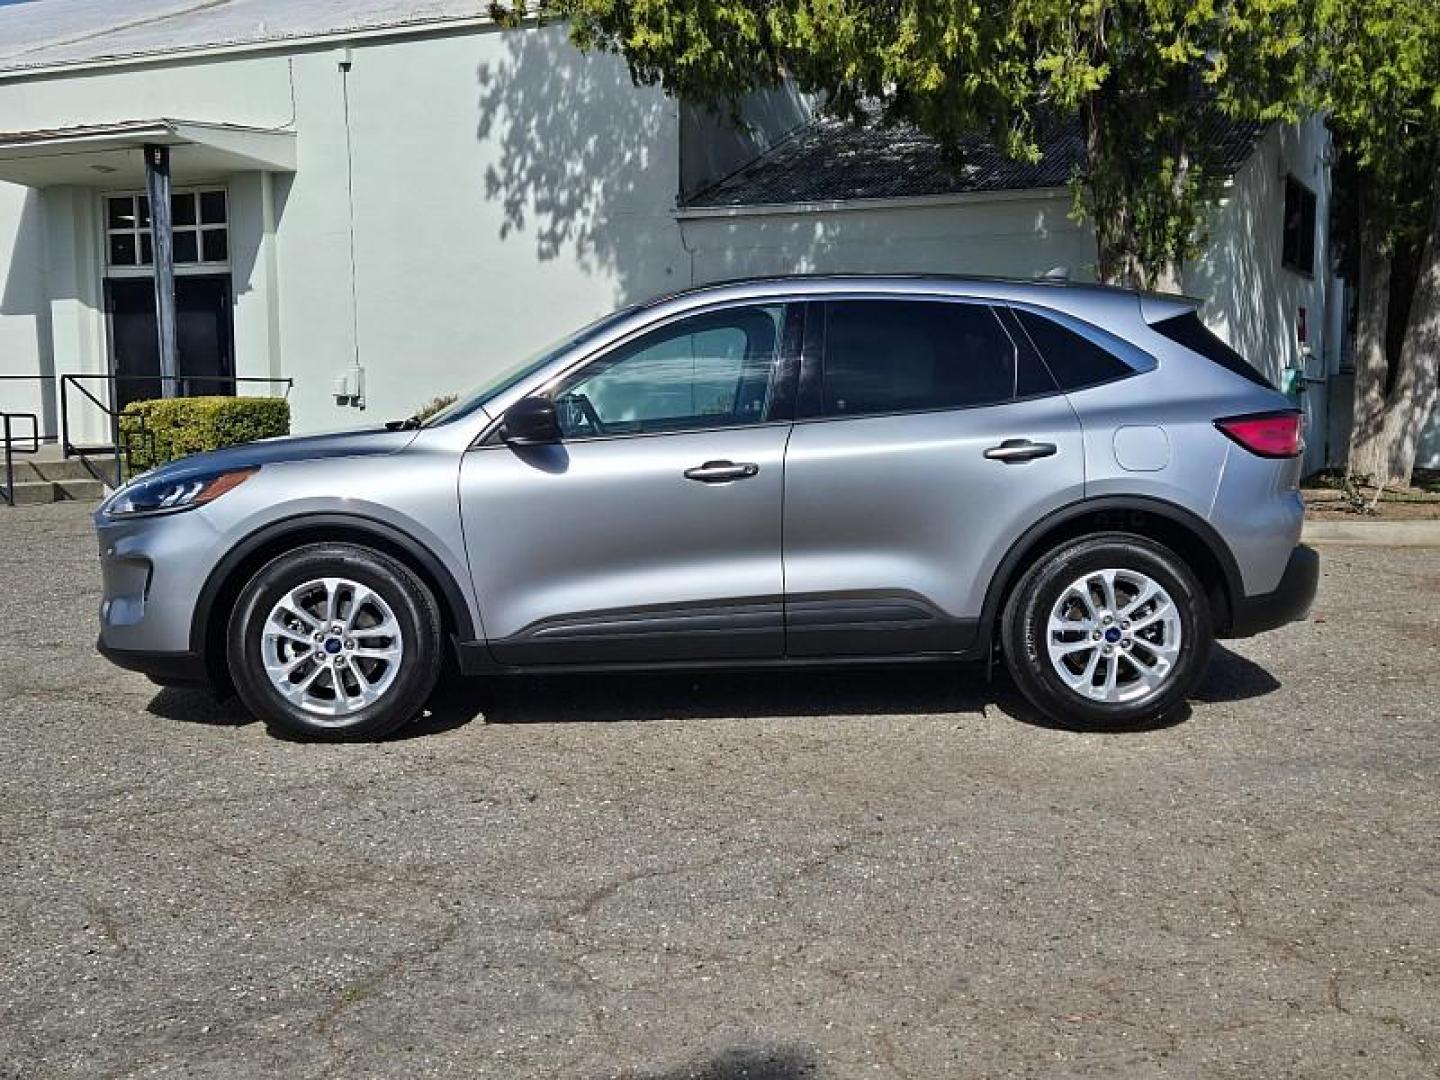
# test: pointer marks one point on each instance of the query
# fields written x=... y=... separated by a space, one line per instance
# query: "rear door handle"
x=720 y=472
x=1012 y=451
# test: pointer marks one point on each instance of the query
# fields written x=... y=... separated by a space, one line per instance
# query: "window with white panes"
x=199 y=225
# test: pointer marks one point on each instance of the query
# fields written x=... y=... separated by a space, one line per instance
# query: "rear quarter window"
x=1189 y=331
x=1074 y=360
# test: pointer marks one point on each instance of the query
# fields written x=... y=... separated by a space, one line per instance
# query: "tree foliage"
x=1143 y=76
x=1377 y=75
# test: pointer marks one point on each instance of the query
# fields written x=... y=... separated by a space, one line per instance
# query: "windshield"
x=497 y=384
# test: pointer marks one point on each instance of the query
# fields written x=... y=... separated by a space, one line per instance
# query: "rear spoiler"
x=1157 y=307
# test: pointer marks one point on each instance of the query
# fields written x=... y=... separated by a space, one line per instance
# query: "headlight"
x=164 y=495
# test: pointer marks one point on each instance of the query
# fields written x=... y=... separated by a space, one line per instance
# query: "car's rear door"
x=926 y=440
x=652 y=531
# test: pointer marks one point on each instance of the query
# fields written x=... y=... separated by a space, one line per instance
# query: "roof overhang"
x=112 y=155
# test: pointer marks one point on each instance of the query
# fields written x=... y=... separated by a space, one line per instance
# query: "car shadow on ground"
x=871 y=690
x=187 y=705
x=781 y=1062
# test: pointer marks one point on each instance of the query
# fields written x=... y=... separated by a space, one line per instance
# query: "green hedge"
x=169 y=428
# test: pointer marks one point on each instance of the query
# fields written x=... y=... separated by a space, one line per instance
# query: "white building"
x=401 y=187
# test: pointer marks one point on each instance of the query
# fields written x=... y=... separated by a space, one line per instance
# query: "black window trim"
x=783 y=374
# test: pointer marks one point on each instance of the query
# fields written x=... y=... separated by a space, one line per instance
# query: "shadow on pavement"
x=888 y=690
x=742 y=1063
x=1231 y=677
x=198 y=706
x=716 y=695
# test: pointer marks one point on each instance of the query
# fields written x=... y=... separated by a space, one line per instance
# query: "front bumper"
x=1289 y=602
x=161 y=668
x=152 y=572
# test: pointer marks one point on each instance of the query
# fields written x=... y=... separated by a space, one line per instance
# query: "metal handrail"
x=122 y=448
x=8 y=447
x=119 y=447
x=7 y=491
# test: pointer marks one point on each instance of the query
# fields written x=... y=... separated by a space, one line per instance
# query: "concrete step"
x=30 y=469
x=39 y=492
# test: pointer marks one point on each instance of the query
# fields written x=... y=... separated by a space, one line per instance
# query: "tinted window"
x=1298 y=247
x=886 y=356
x=1032 y=377
x=712 y=370
x=1075 y=361
x=1189 y=331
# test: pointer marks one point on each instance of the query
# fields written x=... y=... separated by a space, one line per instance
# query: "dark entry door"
x=205 y=363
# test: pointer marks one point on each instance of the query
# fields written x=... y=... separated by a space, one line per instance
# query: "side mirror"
x=530 y=421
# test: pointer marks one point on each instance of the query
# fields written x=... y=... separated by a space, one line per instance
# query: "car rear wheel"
x=1107 y=631
x=335 y=641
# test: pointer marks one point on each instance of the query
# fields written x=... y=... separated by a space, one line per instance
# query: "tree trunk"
x=1107 y=214
x=1167 y=278
x=1368 y=456
x=1107 y=200
x=1116 y=260
x=1111 y=192
x=1412 y=398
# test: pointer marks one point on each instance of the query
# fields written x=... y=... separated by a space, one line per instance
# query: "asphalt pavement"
x=884 y=873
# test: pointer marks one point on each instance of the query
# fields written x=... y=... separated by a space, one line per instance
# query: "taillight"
x=1268 y=435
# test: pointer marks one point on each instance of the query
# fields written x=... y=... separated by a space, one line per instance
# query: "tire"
x=371 y=669
x=1158 y=651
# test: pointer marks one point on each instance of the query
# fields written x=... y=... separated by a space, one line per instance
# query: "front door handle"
x=1012 y=451
x=721 y=472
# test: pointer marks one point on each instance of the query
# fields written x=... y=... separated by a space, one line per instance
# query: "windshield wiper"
x=410 y=423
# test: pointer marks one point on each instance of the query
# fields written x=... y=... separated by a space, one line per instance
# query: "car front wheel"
x=1107 y=631
x=335 y=641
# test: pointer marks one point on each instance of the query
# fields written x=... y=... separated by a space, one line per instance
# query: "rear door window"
x=893 y=356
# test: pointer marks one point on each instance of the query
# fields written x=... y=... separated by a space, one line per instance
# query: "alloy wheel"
x=332 y=647
x=1114 y=635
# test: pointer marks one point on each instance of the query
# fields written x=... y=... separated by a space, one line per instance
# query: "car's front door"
x=651 y=532
x=931 y=434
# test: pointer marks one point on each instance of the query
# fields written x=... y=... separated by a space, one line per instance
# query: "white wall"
x=25 y=340
x=511 y=191
x=506 y=189
x=1252 y=301
x=77 y=317
x=1005 y=234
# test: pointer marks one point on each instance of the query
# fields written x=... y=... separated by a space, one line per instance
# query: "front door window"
x=711 y=371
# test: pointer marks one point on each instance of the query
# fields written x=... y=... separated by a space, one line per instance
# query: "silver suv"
x=777 y=472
